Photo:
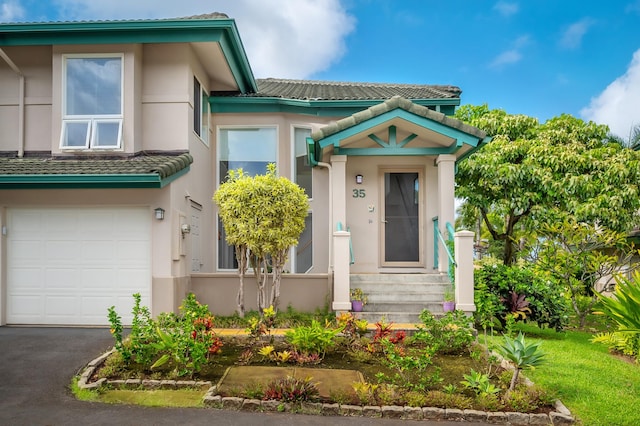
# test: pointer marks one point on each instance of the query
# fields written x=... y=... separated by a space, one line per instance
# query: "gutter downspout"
x=21 y=97
x=330 y=262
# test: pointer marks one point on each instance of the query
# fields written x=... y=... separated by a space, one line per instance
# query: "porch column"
x=446 y=202
x=341 y=295
x=464 y=271
x=341 y=255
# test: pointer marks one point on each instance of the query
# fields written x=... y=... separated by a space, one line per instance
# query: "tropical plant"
x=450 y=334
x=521 y=354
x=624 y=306
x=263 y=217
x=313 y=339
x=479 y=383
x=291 y=389
x=495 y=285
x=357 y=294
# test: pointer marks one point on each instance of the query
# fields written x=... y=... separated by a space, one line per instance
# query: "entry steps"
x=400 y=298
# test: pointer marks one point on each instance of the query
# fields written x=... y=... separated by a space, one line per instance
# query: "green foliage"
x=624 y=343
x=522 y=354
x=358 y=294
x=291 y=389
x=479 y=383
x=532 y=173
x=450 y=334
x=495 y=283
x=624 y=307
x=580 y=256
x=184 y=341
x=263 y=215
x=313 y=339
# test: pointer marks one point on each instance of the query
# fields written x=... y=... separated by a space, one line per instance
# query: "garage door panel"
x=60 y=279
x=68 y=266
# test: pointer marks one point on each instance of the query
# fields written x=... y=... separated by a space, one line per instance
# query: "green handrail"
x=436 y=246
x=352 y=258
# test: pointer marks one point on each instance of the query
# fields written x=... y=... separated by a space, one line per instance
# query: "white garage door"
x=67 y=266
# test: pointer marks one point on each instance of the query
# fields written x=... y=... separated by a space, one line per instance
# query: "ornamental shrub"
x=496 y=285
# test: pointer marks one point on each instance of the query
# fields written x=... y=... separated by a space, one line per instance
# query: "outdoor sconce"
x=359 y=179
x=159 y=213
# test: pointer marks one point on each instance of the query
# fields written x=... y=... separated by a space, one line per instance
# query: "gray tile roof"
x=389 y=105
x=341 y=91
x=161 y=165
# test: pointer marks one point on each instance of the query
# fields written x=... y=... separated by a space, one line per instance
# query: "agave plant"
x=624 y=306
x=522 y=354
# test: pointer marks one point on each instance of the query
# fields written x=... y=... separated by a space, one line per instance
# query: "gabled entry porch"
x=392 y=170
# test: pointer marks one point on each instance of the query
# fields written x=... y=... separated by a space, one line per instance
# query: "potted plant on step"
x=358 y=299
x=449 y=304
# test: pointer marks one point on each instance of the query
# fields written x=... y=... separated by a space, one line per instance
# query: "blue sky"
x=541 y=58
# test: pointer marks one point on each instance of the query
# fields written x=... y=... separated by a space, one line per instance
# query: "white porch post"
x=446 y=202
x=464 y=271
x=341 y=237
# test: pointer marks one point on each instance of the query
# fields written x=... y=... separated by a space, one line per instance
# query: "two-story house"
x=115 y=134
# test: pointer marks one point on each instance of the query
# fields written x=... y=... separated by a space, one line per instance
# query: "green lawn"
x=597 y=387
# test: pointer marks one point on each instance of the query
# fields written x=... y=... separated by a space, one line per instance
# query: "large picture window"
x=92 y=102
x=250 y=149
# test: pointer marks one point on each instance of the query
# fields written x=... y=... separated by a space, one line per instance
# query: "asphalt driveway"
x=37 y=365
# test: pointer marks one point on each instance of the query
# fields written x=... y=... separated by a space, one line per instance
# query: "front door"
x=401 y=219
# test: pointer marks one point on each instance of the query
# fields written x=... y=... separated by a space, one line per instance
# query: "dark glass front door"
x=401 y=217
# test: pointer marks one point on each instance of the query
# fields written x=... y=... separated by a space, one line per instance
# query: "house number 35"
x=359 y=193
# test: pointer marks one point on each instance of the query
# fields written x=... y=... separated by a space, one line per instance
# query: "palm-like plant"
x=624 y=306
x=522 y=354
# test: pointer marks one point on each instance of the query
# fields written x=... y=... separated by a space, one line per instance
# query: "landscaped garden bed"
x=439 y=365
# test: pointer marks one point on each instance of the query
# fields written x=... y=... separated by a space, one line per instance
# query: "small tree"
x=263 y=217
x=581 y=257
x=523 y=355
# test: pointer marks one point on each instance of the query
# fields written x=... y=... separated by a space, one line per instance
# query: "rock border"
x=562 y=416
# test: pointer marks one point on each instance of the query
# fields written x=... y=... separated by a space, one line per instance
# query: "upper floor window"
x=200 y=111
x=303 y=172
x=92 y=102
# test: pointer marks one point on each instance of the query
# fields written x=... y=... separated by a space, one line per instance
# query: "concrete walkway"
x=37 y=365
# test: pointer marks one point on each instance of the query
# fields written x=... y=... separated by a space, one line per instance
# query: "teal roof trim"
x=397 y=151
x=320 y=108
x=458 y=135
x=223 y=31
x=80 y=181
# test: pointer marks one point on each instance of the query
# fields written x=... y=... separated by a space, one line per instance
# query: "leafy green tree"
x=532 y=173
x=583 y=258
x=263 y=217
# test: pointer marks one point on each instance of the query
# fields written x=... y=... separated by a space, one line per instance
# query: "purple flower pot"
x=448 y=306
x=356 y=305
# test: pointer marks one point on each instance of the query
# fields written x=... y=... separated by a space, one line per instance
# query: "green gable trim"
x=223 y=31
x=79 y=181
x=459 y=136
x=320 y=108
x=370 y=152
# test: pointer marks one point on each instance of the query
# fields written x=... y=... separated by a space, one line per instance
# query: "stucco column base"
x=341 y=299
x=464 y=271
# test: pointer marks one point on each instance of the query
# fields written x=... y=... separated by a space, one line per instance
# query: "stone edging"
x=562 y=416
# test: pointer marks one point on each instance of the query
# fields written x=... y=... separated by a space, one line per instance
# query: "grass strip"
x=598 y=388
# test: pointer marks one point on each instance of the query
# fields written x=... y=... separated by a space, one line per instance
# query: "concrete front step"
x=400 y=298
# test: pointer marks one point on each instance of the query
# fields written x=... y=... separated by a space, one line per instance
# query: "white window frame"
x=92 y=120
x=294 y=165
x=201 y=112
x=219 y=130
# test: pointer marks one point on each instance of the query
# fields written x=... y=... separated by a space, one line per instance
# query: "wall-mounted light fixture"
x=159 y=213
x=359 y=179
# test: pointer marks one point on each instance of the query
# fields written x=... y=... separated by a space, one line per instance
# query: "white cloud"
x=506 y=9
x=11 y=11
x=573 y=35
x=617 y=105
x=513 y=55
x=283 y=38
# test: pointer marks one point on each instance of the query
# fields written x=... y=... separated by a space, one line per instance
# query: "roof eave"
x=223 y=31
x=80 y=181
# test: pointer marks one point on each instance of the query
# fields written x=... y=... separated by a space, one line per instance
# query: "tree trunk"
x=241 y=257
x=278 y=266
x=514 y=379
